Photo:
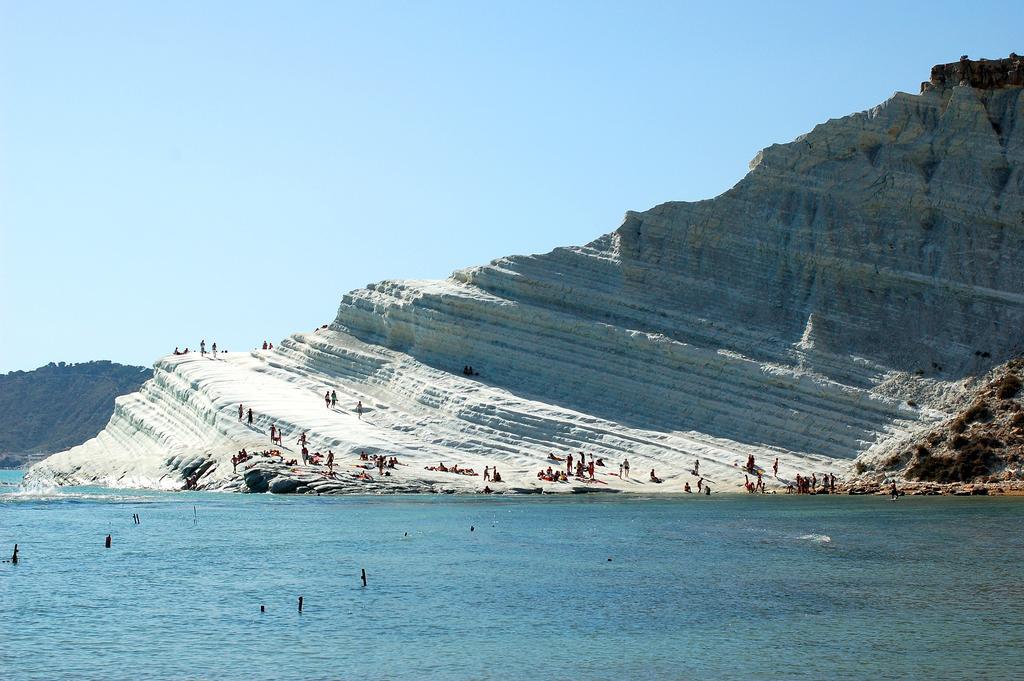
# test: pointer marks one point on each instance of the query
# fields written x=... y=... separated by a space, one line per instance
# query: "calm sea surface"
x=697 y=587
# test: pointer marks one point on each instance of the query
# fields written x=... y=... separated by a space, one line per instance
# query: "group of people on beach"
x=202 y=349
x=702 y=487
x=331 y=401
x=581 y=467
x=454 y=468
x=242 y=413
x=380 y=461
x=809 y=485
x=583 y=470
x=242 y=456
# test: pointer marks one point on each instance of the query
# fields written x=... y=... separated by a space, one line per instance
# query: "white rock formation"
x=838 y=298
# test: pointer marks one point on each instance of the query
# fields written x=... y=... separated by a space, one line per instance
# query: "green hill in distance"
x=59 y=406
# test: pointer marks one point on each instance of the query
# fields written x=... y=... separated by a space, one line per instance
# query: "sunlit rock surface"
x=840 y=297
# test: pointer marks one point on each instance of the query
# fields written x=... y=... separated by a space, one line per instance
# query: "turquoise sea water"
x=697 y=587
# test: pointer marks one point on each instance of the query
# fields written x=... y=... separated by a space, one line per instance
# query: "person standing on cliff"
x=250 y=416
x=215 y=350
x=625 y=468
x=202 y=347
x=241 y=412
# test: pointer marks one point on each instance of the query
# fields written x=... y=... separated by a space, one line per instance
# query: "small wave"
x=47 y=493
x=819 y=538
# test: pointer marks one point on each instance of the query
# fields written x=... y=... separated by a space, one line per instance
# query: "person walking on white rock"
x=215 y=350
x=487 y=473
x=696 y=467
x=202 y=347
x=620 y=471
x=250 y=416
x=625 y=468
x=241 y=412
x=273 y=433
x=327 y=399
x=334 y=399
x=775 y=467
x=359 y=409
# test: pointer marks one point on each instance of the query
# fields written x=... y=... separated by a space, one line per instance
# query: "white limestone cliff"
x=839 y=298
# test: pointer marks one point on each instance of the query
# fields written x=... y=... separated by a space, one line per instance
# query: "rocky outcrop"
x=981 y=443
x=838 y=300
x=986 y=74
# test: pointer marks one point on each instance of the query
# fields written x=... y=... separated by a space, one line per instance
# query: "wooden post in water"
x=364 y=576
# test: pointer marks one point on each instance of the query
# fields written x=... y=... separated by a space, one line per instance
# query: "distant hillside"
x=59 y=406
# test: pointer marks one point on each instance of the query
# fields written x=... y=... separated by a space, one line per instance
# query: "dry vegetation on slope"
x=983 y=443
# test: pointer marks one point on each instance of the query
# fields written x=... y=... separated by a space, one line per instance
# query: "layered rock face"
x=875 y=260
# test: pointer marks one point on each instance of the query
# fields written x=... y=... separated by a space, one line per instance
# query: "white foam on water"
x=819 y=538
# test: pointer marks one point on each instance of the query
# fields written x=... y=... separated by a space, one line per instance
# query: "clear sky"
x=171 y=171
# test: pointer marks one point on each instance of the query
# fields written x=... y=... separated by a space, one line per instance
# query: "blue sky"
x=219 y=170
